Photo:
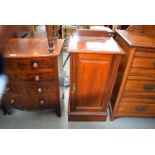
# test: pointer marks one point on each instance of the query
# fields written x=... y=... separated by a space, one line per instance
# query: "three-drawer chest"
x=134 y=91
x=35 y=75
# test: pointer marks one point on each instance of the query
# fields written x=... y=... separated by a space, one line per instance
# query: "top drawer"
x=144 y=60
x=30 y=63
x=143 y=63
x=145 y=54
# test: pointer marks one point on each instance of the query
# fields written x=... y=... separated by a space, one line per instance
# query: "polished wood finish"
x=94 y=61
x=145 y=30
x=35 y=75
x=134 y=91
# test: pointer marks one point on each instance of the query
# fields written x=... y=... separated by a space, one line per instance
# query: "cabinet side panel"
x=121 y=72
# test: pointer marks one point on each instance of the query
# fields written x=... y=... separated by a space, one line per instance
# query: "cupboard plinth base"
x=87 y=116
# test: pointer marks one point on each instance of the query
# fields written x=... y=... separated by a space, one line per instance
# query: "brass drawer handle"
x=37 y=78
x=141 y=108
x=35 y=65
x=39 y=90
x=12 y=101
x=149 y=87
x=41 y=102
x=154 y=64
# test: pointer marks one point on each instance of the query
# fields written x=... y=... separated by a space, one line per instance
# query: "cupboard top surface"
x=30 y=47
x=136 y=39
x=91 y=43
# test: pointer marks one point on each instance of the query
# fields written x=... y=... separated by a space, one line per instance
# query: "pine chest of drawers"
x=34 y=75
x=134 y=92
x=94 y=61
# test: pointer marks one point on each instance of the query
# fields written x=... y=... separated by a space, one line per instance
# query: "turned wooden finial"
x=51 y=36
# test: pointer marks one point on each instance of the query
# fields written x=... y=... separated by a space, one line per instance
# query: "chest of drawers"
x=95 y=58
x=35 y=75
x=134 y=92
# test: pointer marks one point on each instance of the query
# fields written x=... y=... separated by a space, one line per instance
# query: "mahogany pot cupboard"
x=94 y=61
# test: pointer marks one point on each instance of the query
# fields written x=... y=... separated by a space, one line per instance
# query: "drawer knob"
x=7 y=89
x=37 y=78
x=35 y=65
x=12 y=101
x=39 y=90
x=41 y=102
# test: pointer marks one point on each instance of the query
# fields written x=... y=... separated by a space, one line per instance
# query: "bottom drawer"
x=19 y=102
x=137 y=106
x=44 y=101
x=30 y=103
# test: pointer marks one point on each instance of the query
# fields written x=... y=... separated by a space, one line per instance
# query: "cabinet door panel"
x=91 y=76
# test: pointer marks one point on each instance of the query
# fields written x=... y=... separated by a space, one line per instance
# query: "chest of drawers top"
x=30 y=47
x=137 y=39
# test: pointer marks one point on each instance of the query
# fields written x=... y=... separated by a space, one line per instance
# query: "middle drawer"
x=141 y=85
x=32 y=88
x=32 y=76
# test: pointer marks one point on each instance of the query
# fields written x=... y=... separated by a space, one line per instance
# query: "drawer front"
x=144 y=86
x=31 y=102
x=137 y=100
x=14 y=88
x=40 y=88
x=142 y=71
x=33 y=76
x=127 y=107
x=139 y=94
x=147 y=78
x=145 y=54
x=143 y=63
x=30 y=64
x=20 y=102
x=44 y=101
x=32 y=88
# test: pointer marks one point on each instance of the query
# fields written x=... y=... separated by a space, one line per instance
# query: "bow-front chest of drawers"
x=34 y=75
x=134 y=92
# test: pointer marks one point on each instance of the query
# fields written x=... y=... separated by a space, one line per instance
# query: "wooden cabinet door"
x=89 y=81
